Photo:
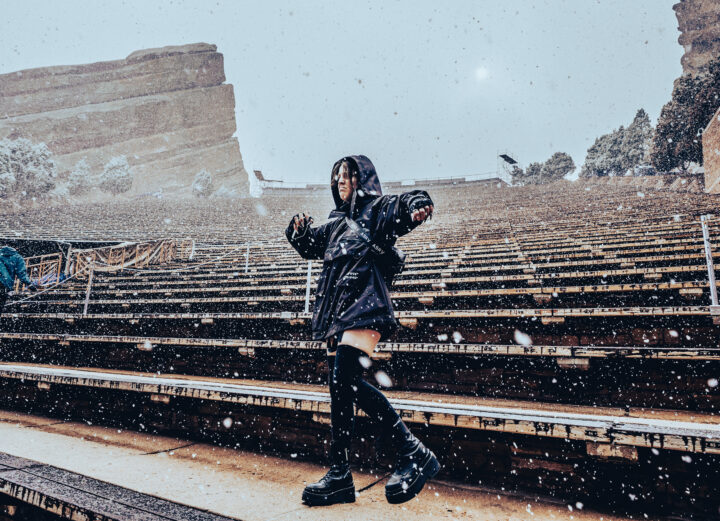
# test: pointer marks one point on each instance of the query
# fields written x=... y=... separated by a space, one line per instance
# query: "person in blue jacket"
x=353 y=312
x=12 y=266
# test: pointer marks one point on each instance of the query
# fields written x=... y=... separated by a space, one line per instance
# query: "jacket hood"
x=7 y=251
x=368 y=183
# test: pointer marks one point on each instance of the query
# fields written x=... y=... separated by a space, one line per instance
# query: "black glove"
x=303 y=222
x=419 y=201
x=32 y=287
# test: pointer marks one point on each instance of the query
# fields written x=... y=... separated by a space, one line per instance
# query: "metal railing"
x=130 y=255
x=43 y=269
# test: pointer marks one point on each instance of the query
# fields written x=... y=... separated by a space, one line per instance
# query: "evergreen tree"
x=80 y=179
x=620 y=150
x=533 y=174
x=678 y=138
x=518 y=175
x=598 y=161
x=557 y=167
x=636 y=142
x=27 y=169
x=116 y=177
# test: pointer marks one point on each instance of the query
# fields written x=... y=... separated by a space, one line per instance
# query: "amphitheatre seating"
x=619 y=271
x=672 y=182
x=384 y=350
x=505 y=212
x=576 y=313
x=687 y=432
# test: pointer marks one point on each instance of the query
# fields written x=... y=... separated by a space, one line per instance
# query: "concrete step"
x=249 y=486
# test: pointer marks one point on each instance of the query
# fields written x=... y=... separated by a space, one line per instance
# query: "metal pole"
x=307 y=288
x=67 y=260
x=89 y=288
x=247 y=257
x=709 y=259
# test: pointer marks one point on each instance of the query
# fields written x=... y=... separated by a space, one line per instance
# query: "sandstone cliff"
x=699 y=24
x=167 y=110
x=711 y=154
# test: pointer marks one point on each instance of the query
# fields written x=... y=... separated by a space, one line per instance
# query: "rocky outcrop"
x=167 y=110
x=699 y=24
x=711 y=154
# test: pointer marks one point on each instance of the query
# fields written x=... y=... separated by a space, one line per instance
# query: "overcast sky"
x=423 y=88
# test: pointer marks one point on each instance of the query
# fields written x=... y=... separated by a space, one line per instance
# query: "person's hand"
x=32 y=287
x=422 y=213
x=300 y=221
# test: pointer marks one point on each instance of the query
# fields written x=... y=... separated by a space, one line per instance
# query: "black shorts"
x=332 y=343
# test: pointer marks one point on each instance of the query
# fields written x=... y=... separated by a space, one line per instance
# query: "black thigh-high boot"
x=415 y=463
x=337 y=485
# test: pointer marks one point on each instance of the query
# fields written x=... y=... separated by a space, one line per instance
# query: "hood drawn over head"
x=368 y=184
x=7 y=251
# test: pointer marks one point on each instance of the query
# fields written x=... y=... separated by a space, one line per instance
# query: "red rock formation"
x=699 y=23
x=167 y=110
x=711 y=154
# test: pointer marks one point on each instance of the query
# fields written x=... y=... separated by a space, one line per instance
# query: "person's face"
x=345 y=183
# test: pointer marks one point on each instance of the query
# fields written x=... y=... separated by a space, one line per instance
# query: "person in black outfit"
x=352 y=312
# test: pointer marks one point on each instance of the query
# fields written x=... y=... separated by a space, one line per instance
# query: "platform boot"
x=334 y=487
x=414 y=465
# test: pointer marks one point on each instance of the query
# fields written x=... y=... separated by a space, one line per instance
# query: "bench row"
x=668 y=430
x=568 y=354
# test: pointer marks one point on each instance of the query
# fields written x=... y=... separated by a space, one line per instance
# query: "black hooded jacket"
x=351 y=292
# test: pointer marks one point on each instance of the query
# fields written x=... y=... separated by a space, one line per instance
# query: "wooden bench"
x=247 y=346
x=74 y=496
x=669 y=430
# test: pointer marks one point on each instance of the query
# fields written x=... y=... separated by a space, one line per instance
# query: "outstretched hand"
x=300 y=221
x=422 y=213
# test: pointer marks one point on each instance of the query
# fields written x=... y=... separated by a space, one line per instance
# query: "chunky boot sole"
x=344 y=495
x=429 y=468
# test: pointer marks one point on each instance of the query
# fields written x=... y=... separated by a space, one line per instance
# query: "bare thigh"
x=363 y=339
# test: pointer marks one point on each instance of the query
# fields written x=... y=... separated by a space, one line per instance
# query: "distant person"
x=12 y=266
x=353 y=312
